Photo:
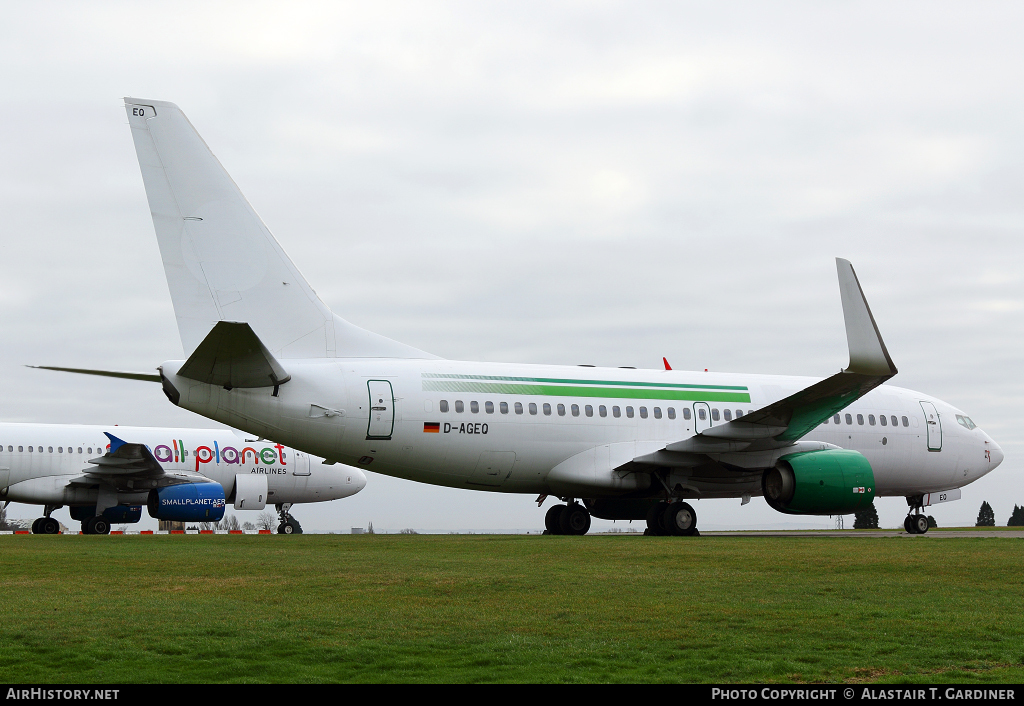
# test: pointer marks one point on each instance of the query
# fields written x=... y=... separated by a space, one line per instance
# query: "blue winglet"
x=115 y=443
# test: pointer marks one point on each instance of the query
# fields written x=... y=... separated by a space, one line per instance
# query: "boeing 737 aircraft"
x=264 y=354
x=185 y=475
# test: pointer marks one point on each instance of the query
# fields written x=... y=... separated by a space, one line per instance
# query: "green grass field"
x=474 y=608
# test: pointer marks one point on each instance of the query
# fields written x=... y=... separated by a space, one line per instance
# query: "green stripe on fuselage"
x=569 y=381
x=504 y=388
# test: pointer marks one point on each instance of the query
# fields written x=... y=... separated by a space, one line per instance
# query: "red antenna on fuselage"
x=665 y=361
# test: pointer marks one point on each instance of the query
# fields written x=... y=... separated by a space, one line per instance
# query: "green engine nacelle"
x=830 y=482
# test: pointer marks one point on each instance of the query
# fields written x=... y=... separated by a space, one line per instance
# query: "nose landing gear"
x=916 y=524
x=289 y=525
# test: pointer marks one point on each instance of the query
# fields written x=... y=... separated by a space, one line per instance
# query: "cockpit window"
x=965 y=421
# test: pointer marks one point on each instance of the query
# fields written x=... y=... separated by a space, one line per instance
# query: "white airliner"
x=106 y=474
x=266 y=355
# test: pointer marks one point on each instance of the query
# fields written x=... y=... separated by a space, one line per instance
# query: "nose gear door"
x=934 y=426
x=382 y=410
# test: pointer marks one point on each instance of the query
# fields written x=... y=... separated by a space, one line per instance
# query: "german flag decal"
x=431 y=427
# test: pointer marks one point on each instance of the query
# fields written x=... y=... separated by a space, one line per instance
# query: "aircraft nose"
x=995 y=453
x=347 y=481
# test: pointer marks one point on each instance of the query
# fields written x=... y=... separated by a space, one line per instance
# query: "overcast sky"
x=602 y=183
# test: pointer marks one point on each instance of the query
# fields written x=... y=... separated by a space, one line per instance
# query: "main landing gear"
x=289 y=525
x=96 y=525
x=571 y=518
x=46 y=524
x=678 y=519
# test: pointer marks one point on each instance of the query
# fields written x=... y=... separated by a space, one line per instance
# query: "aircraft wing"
x=129 y=466
x=781 y=424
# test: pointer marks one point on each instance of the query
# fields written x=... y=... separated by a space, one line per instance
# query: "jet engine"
x=188 y=502
x=829 y=482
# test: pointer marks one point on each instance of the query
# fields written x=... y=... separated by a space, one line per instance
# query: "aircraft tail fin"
x=221 y=261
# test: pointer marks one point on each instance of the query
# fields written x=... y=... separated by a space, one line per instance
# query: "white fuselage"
x=487 y=438
x=37 y=461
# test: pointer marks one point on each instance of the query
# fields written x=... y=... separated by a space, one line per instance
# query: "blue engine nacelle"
x=188 y=502
x=121 y=514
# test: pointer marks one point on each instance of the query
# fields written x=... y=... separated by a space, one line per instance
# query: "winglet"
x=115 y=443
x=665 y=361
x=868 y=354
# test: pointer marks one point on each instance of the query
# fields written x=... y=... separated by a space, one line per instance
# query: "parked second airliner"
x=106 y=474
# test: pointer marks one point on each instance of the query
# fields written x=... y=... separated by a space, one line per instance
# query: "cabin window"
x=489 y=407
x=686 y=413
x=835 y=419
x=547 y=409
x=575 y=410
x=657 y=412
x=561 y=409
x=474 y=407
x=860 y=419
x=702 y=414
x=533 y=408
x=79 y=449
x=459 y=406
x=826 y=421
x=643 y=413
x=519 y=407
x=21 y=448
x=589 y=410
x=49 y=449
x=629 y=412
x=443 y=405
x=714 y=414
x=60 y=449
x=728 y=415
x=739 y=413
x=30 y=449
x=503 y=407
x=603 y=411
x=906 y=422
x=882 y=420
x=671 y=412
x=616 y=412
x=894 y=420
x=871 y=419
x=849 y=419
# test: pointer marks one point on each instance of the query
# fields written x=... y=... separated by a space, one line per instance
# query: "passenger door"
x=934 y=426
x=382 y=410
x=701 y=416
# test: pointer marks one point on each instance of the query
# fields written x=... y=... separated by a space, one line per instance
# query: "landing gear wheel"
x=553 y=519
x=48 y=525
x=908 y=525
x=574 y=520
x=680 y=519
x=921 y=524
x=284 y=528
x=654 y=519
x=96 y=525
x=35 y=526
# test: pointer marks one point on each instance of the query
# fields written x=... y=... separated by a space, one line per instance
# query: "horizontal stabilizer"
x=148 y=377
x=232 y=355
